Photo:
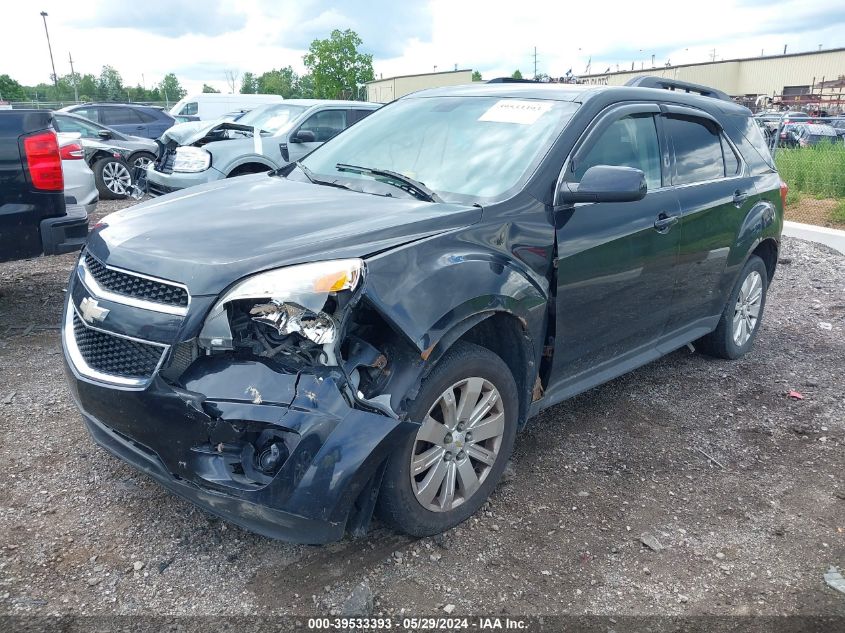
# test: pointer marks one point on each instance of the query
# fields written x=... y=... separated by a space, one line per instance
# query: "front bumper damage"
x=196 y=441
x=283 y=452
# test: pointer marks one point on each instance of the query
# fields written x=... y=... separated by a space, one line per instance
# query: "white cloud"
x=493 y=36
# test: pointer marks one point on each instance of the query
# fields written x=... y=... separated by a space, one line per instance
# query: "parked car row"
x=266 y=138
x=234 y=143
x=793 y=130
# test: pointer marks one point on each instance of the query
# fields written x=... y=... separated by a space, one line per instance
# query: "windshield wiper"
x=319 y=181
x=409 y=185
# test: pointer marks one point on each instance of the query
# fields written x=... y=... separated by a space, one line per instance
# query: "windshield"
x=462 y=148
x=272 y=118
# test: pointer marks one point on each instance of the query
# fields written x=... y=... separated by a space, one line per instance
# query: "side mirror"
x=605 y=183
x=104 y=134
x=304 y=136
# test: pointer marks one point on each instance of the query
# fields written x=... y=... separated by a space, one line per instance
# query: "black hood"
x=212 y=235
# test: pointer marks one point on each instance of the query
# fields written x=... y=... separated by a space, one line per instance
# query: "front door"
x=615 y=261
x=323 y=125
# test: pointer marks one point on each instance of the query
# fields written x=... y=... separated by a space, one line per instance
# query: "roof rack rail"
x=511 y=80
x=673 y=84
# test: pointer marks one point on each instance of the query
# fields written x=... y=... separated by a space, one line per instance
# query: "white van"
x=210 y=106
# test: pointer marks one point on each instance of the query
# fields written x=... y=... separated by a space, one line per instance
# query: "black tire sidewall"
x=733 y=350
x=397 y=504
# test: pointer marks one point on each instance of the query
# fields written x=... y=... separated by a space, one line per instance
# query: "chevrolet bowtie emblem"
x=91 y=311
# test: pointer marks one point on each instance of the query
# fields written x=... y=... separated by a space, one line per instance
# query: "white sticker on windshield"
x=516 y=111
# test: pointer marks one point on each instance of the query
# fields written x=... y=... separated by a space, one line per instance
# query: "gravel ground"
x=691 y=486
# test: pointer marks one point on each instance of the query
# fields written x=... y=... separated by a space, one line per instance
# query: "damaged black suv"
x=367 y=329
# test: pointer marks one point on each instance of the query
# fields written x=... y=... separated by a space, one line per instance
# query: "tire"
x=249 y=168
x=725 y=341
x=112 y=177
x=141 y=159
x=462 y=370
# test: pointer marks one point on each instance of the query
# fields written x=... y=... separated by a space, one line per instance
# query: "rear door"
x=122 y=119
x=355 y=114
x=615 y=264
x=716 y=193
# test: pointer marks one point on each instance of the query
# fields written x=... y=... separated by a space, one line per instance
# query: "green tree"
x=278 y=82
x=11 y=90
x=110 y=85
x=476 y=76
x=170 y=88
x=516 y=74
x=209 y=89
x=249 y=84
x=138 y=93
x=304 y=87
x=336 y=65
x=87 y=87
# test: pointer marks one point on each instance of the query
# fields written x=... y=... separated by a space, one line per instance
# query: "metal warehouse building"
x=386 y=90
x=796 y=79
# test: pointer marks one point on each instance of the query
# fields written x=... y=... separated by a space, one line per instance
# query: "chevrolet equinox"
x=365 y=330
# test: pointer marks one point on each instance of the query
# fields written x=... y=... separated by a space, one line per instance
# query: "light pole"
x=50 y=48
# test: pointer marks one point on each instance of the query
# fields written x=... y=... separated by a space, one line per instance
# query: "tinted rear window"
x=119 y=116
x=146 y=117
x=698 y=150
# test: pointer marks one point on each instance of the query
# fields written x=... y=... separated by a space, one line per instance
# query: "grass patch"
x=838 y=214
x=817 y=171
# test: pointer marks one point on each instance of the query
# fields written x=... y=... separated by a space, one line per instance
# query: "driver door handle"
x=664 y=222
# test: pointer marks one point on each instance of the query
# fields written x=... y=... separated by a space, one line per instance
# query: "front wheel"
x=468 y=408
x=740 y=321
x=112 y=178
x=142 y=159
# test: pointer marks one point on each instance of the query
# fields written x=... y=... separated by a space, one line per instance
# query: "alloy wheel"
x=142 y=162
x=747 y=309
x=116 y=177
x=457 y=444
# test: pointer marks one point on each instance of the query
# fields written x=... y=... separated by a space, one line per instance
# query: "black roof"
x=579 y=93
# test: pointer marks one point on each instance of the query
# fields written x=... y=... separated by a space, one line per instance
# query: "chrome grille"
x=130 y=285
x=114 y=355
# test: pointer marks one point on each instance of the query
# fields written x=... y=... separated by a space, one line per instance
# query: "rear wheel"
x=740 y=321
x=468 y=406
x=112 y=178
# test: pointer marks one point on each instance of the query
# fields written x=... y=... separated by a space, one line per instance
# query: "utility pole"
x=73 y=76
x=50 y=48
x=713 y=55
x=535 y=62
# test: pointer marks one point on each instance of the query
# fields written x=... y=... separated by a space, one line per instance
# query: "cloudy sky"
x=200 y=40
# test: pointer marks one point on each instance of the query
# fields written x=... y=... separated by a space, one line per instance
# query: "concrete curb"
x=829 y=237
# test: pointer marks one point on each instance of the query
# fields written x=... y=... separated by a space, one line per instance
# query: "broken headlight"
x=191 y=159
x=289 y=300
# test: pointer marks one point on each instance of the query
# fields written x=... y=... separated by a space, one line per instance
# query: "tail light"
x=71 y=151
x=43 y=160
x=784 y=189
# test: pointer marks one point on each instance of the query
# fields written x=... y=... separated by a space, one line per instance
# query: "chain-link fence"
x=57 y=105
x=811 y=160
